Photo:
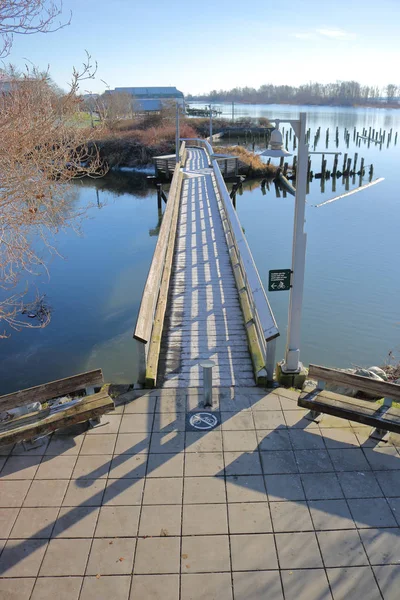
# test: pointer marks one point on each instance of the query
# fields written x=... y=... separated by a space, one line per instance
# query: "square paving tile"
x=299 y=419
x=19 y=449
x=237 y=421
x=66 y=557
x=372 y=512
x=62 y=588
x=169 y=422
x=284 y=487
x=163 y=491
x=111 y=557
x=341 y=548
x=204 y=464
x=309 y=584
x=20 y=467
x=103 y=443
x=123 y=492
x=22 y=558
x=313 y=461
x=165 y=465
x=17 y=589
x=278 y=462
x=330 y=514
x=64 y=444
x=253 y=552
x=249 y=517
x=132 y=443
x=388 y=577
x=381 y=545
x=269 y=401
x=157 y=555
x=205 y=554
x=321 y=486
x=389 y=482
x=349 y=459
x=359 y=484
x=160 y=521
x=204 y=519
x=92 y=467
x=383 y=459
x=328 y=421
x=12 y=493
x=203 y=442
x=155 y=587
x=247 y=488
x=76 y=522
x=353 y=583
x=7 y=520
x=171 y=403
x=45 y=492
x=85 y=492
x=200 y=490
x=276 y=439
x=117 y=521
x=291 y=516
x=34 y=523
x=242 y=463
x=145 y=404
x=105 y=588
x=136 y=423
x=256 y=585
x=108 y=424
x=213 y=586
x=56 y=467
x=167 y=443
x=239 y=441
x=130 y=467
x=394 y=504
x=335 y=437
x=291 y=550
x=308 y=439
x=269 y=419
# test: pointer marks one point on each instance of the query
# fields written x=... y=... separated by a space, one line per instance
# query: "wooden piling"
x=395 y=138
x=355 y=161
x=344 y=162
x=362 y=167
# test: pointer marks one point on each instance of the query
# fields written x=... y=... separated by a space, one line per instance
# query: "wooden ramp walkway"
x=205 y=306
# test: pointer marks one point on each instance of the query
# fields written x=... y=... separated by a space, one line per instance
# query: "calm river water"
x=351 y=311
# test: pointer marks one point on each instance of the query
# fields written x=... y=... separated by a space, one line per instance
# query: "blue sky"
x=214 y=44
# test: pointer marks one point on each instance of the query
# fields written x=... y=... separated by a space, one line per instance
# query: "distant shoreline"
x=390 y=105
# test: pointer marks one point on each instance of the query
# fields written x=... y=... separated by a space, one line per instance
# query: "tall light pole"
x=292 y=365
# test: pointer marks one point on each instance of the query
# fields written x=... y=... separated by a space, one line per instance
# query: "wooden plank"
x=52 y=389
x=90 y=407
x=353 y=409
x=383 y=389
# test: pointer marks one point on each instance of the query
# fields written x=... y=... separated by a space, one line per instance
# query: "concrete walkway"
x=269 y=505
x=204 y=319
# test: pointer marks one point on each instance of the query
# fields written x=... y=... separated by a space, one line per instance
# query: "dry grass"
x=251 y=164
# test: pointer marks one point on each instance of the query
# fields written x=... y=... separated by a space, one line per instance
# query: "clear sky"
x=200 y=45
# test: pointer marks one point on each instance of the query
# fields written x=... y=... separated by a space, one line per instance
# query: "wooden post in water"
x=159 y=192
x=333 y=184
x=295 y=145
x=362 y=167
x=344 y=163
x=354 y=133
x=348 y=167
x=287 y=139
x=281 y=162
x=371 y=172
x=335 y=164
x=294 y=163
x=369 y=133
x=395 y=138
x=355 y=161
x=285 y=168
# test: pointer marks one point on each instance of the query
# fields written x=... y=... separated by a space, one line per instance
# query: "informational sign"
x=279 y=280
x=203 y=421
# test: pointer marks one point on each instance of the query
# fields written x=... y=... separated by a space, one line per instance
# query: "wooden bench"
x=382 y=417
x=47 y=420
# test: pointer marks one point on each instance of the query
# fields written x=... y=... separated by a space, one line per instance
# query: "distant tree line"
x=344 y=93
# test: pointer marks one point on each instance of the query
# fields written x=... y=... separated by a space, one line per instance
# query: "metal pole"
x=292 y=360
x=177 y=133
x=210 y=124
x=207 y=381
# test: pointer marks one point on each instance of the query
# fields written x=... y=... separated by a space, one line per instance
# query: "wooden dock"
x=203 y=298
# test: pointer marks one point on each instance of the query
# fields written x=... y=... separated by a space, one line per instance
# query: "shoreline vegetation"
x=340 y=93
x=134 y=143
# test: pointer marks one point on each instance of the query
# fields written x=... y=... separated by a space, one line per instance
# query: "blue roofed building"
x=151 y=99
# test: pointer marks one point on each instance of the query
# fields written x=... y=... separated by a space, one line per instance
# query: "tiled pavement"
x=268 y=506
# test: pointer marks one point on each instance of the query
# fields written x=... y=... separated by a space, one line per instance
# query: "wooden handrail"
x=363 y=384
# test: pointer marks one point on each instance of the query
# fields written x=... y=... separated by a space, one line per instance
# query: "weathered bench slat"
x=361 y=411
x=43 y=424
x=53 y=389
x=383 y=389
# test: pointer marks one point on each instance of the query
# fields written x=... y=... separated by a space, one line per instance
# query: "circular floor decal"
x=203 y=420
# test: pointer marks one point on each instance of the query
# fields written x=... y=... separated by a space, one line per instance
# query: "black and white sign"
x=202 y=421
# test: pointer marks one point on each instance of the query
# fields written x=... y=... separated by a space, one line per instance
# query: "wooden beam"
x=53 y=389
x=43 y=422
x=363 y=384
x=361 y=411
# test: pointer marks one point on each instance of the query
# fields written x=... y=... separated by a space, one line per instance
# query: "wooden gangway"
x=203 y=298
